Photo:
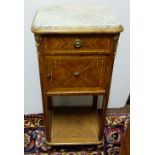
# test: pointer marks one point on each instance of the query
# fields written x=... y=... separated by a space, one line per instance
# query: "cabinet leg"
x=47 y=117
x=102 y=115
x=50 y=102
x=95 y=98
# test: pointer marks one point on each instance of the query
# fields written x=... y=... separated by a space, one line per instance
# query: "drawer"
x=77 y=71
x=68 y=42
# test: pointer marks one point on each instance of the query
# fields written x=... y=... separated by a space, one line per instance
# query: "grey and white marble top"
x=74 y=17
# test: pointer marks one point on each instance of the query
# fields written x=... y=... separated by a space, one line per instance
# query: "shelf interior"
x=74 y=125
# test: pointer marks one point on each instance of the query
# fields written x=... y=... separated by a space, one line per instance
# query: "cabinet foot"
x=49 y=148
x=99 y=146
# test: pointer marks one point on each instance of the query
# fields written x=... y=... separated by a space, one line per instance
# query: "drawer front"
x=91 y=42
x=76 y=71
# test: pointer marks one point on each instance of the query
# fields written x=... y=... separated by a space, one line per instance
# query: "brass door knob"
x=77 y=43
x=76 y=73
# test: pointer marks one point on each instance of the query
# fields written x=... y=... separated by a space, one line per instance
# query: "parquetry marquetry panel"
x=61 y=71
x=89 y=42
x=67 y=125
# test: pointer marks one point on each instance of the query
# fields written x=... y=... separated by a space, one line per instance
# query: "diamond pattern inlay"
x=91 y=71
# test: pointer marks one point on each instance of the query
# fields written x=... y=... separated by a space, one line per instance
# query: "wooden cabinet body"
x=75 y=62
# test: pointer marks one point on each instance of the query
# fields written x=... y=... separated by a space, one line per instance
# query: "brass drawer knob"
x=76 y=73
x=77 y=43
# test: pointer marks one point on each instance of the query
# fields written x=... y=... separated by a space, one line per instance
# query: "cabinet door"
x=77 y=71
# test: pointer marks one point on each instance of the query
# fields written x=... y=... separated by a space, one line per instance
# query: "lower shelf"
x=74 y=126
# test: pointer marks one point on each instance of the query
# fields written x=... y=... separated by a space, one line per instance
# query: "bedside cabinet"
x=76 y=47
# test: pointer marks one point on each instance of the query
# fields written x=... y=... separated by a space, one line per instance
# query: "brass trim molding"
x=116 y=37
x=37 y=42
